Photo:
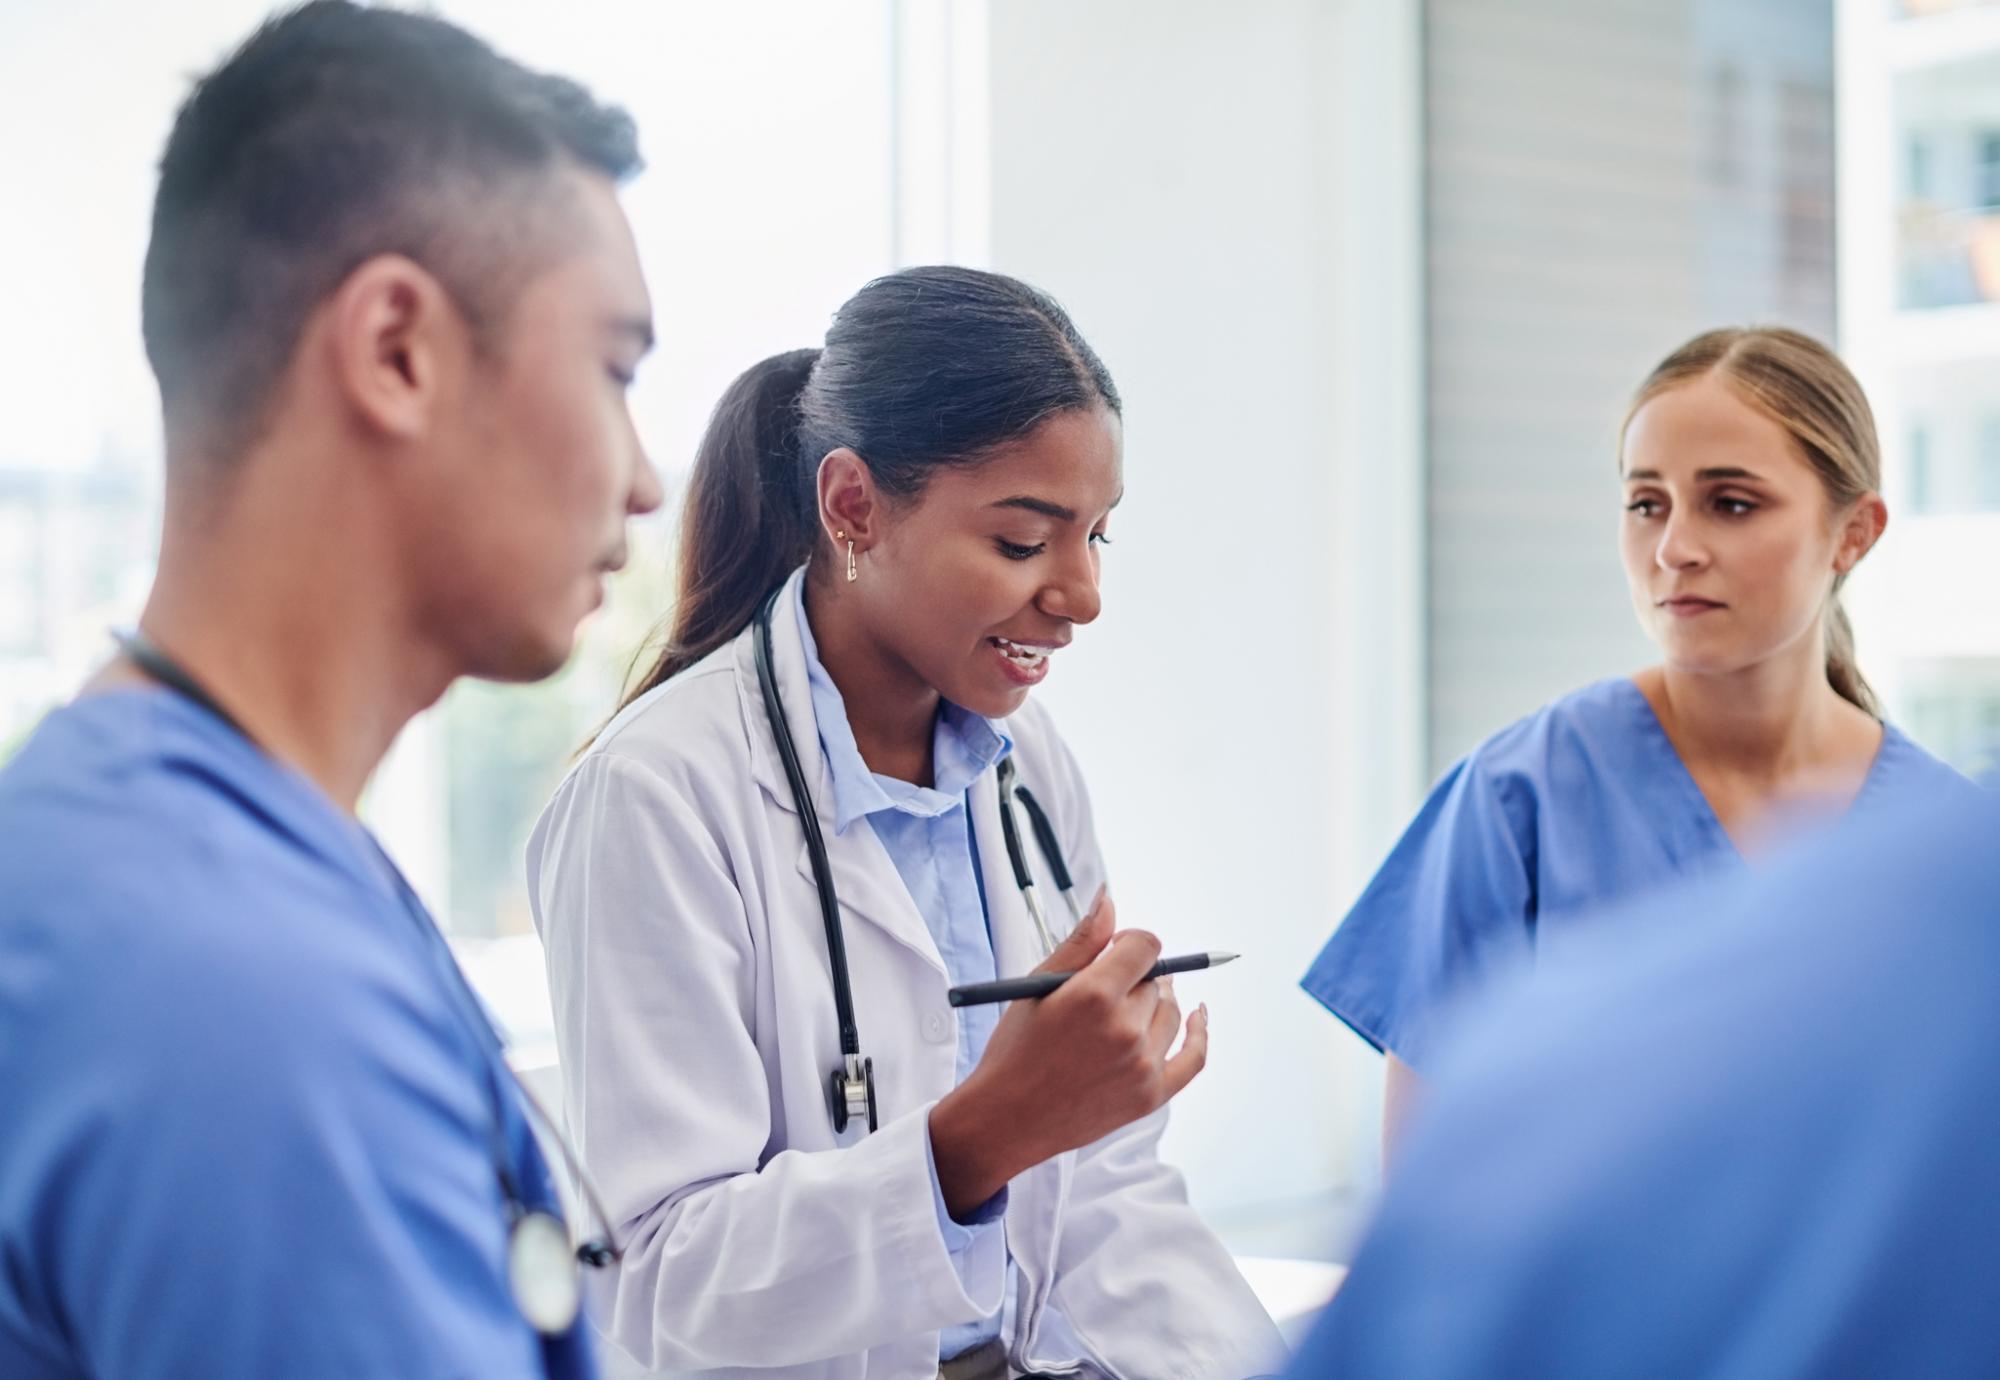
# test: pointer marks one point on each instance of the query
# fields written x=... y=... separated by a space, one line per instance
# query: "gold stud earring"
x=852 y=573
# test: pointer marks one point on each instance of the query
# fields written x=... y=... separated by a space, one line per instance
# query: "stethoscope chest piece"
x=541 y=1271
x=853 y=1092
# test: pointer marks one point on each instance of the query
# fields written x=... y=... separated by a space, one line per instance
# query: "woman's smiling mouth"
x=1026 y=663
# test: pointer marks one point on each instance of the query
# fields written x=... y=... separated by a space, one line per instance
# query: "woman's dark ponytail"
x=748 y=522
x=922 y=369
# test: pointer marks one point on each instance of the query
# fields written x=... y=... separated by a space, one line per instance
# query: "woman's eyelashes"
x=1728 y=505
x=1015 y=551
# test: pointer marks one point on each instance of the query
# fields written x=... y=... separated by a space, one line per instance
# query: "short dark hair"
x=334 y=134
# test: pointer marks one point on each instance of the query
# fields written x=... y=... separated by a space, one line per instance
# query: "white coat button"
x=937 y=1027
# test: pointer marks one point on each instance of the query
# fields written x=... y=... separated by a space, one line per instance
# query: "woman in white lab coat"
x=926 y=496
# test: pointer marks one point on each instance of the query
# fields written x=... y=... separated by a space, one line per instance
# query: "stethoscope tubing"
x=829 y=900
x=854 y=1082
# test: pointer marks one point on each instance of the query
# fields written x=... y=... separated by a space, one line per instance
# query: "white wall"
x=1225 y=197
x=1594 y=198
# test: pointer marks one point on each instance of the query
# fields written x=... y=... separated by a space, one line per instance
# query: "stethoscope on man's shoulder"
x=541 y=1265
x=852 y=1085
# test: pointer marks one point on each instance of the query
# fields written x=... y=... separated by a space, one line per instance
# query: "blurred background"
x=1375 y=277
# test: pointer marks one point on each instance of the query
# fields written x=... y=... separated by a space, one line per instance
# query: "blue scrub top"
x=1751 y=1134
x=248 y=1127
x=1582 y=804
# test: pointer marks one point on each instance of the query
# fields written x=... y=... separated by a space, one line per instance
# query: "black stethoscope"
x=541 y=1264
x=852 y=1085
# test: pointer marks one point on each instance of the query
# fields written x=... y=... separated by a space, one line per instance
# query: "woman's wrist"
x=971 y=1150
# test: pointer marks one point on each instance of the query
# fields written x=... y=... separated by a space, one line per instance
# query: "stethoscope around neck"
x=851 y=1086
x=541 y=1263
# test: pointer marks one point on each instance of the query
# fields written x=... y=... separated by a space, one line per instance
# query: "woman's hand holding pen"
x=1066 y=1069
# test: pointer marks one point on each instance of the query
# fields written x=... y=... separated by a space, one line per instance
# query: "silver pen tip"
x=1217 y=957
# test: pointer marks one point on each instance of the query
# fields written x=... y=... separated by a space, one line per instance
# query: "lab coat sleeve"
x=1143 y=1282
x=1453 y=902
x=731 y=1260
x=1140 y=1279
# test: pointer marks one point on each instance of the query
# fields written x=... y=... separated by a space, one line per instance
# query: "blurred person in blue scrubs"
x=254 y=1123
x=1749 y=1134
x=1750 y=468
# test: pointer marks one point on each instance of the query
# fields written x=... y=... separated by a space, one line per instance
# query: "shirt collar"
x=964 y=747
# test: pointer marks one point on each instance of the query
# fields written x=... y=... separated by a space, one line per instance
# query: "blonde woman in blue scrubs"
x=1751 y=472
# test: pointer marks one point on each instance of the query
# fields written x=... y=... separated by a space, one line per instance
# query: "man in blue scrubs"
x=251 y=1122
x=1759 y=1138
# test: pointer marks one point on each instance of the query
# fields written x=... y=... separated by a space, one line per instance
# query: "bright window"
x=767 y=200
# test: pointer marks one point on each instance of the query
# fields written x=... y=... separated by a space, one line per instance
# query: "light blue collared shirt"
x=927 y=833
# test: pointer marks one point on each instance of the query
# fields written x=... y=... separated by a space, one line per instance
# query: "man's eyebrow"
x=640 y=328
x=1712 y=472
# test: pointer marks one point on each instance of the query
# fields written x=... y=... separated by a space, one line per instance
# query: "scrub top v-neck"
x=1577 y=807
x=249 y=1126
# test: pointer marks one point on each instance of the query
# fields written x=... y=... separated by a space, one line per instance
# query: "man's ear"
x=394 y=335
x=850 y=504
x=1865 y=523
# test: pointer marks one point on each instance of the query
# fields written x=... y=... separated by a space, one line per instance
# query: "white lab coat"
x=695 y=1018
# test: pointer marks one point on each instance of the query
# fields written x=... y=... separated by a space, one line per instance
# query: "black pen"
x=1041 y=984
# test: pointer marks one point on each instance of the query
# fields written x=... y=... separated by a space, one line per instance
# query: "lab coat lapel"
x=870 y=888
x=788 y=657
